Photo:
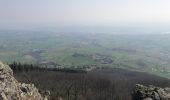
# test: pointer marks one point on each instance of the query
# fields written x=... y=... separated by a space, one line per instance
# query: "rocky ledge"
x=142 y=92
x=11 y=89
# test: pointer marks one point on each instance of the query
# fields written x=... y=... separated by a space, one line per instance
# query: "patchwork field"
x=148 y=52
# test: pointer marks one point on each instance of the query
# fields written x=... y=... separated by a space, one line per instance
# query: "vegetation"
x=101 y=84
x=18 y=67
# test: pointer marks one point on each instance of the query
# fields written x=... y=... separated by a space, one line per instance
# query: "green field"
x=147 y=52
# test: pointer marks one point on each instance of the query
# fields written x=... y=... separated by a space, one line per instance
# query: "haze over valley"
x=84 y=50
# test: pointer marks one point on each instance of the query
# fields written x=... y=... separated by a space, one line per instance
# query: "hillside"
x=99 y=84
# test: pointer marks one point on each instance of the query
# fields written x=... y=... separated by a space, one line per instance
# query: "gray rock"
x=11 y=89
x=155 y=96
x=142 y=92
x=167 y=89
x=148 y=98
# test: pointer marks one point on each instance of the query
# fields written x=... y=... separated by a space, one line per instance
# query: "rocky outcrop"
x=11 y=89
x=150 y=93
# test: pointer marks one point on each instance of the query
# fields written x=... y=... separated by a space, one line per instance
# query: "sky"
x=85 y=12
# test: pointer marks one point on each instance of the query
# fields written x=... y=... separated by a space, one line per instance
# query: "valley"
x=144 y=52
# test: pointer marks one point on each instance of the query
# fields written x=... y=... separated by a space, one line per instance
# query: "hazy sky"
x=85 y=12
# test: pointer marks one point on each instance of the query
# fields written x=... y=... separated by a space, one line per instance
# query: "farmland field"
x=146 y=52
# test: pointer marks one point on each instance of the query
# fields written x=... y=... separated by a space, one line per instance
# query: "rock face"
x=150 y=93
x=11 y=89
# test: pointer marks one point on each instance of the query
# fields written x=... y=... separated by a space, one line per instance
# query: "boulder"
x=151 y=92
x=11 y=89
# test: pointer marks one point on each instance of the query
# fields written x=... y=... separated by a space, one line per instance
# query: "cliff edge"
x=11 y=89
